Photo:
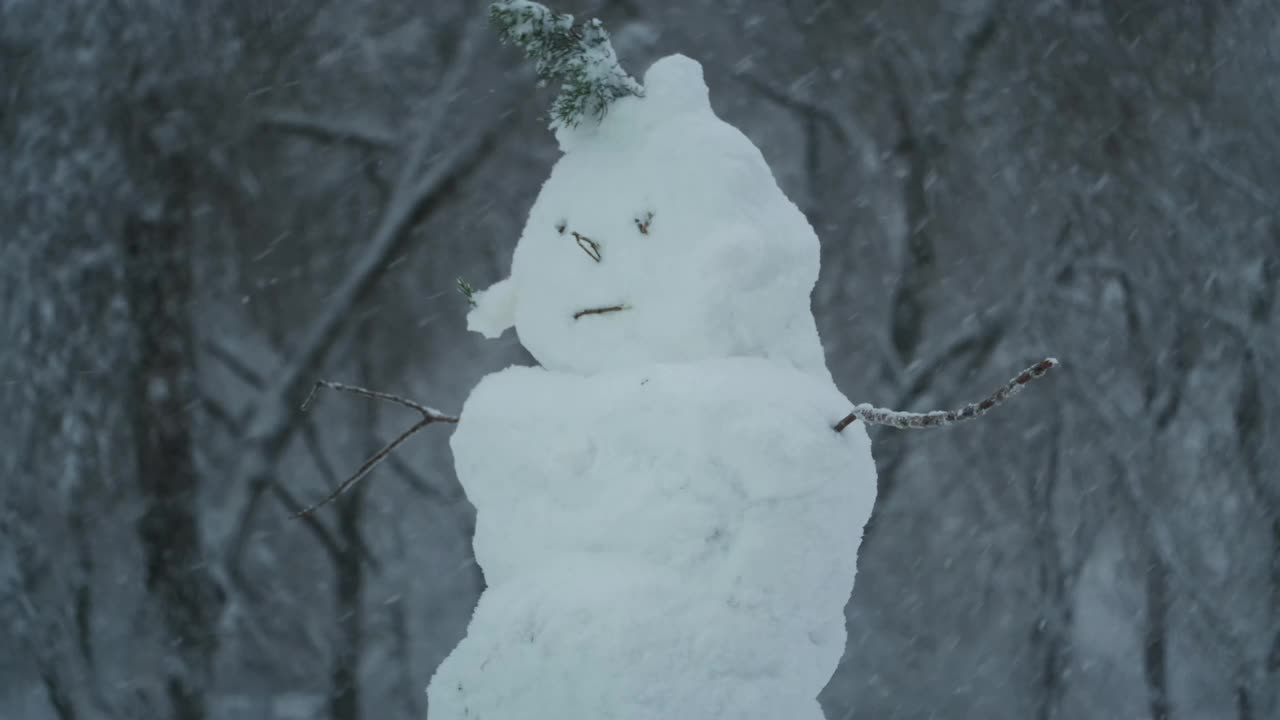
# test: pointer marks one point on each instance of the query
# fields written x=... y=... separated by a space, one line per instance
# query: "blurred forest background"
x=207 y=205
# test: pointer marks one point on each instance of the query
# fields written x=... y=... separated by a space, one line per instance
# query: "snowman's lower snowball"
x=677 y=541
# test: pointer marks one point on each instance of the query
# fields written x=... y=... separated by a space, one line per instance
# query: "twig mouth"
x=598 y=311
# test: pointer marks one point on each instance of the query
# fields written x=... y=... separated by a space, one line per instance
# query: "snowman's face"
x=661 y=237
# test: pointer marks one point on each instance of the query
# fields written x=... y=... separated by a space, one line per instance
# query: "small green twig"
x=468 y=291
x=577 y=56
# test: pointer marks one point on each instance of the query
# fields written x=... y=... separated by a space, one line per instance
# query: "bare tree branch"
x=410 y=196
x=234 y=363
x=362 y=132
x=1221 y=631
x=976 y=342
x=850 y=137
x=423 y=179
x=914 y=421
x=244 y=529
x=239 y=544
x=1236 y=180
x=977 y=43
x=220 y=414
x=1216 y=629
x=918 y=273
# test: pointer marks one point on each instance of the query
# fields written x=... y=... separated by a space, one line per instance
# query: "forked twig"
x=915 y=421
x=429 y=415
x=589 y=246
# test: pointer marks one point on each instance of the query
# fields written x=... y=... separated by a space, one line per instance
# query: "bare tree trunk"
x=402 y=642
x=349 y=566
x=344 y=702
x=1052 y=644
x=919 y=271
x=1273 y=655
x=1244 y=704
x=1051 y=634
x=84 y=585
x=403 y=657
x=1251 y=421
x=1155 y=639
x=163 y=392
x=59 y=696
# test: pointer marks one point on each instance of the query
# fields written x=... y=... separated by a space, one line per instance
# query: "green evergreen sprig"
x=579 y=57
x=468 y=291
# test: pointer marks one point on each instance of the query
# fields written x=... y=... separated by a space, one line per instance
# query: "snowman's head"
x=661 y=236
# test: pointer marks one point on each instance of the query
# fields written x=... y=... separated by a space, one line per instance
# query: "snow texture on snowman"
x=667 y=523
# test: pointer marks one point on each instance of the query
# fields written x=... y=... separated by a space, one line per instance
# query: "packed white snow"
x=667 y=521
x=676 y=541
x=671 y=215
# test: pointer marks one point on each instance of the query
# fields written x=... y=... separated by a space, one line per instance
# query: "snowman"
x=667 y=523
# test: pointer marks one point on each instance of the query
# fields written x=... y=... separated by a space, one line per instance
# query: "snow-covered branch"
x=914 y=421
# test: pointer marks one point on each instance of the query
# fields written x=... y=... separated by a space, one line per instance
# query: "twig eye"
x=560 y=226
x=589 y=246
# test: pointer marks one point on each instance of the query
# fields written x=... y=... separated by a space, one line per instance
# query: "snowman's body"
x=667 y=523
